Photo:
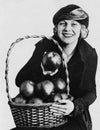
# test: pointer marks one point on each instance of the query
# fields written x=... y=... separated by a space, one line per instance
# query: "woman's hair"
x=72 y=12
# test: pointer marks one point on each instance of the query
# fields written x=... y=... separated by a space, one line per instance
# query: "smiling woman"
x=77 y=68
x=69 y=31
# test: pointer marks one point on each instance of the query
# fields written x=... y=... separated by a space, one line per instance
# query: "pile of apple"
x=43 y=92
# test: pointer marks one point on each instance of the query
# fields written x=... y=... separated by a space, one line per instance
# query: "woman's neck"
x=69 y=49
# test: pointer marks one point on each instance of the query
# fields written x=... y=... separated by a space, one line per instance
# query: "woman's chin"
x=68 y=41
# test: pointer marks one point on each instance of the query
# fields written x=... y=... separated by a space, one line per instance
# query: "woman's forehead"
x=69 y=21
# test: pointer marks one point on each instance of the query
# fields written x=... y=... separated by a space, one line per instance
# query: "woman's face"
x=68 y=31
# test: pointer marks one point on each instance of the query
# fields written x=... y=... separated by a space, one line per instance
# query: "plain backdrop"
x=19 y=18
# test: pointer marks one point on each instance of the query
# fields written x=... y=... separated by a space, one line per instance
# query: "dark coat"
x=32 y=71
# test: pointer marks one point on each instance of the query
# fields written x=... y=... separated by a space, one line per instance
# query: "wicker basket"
x=31 y=115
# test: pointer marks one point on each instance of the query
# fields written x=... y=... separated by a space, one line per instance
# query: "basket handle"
x=7 y=60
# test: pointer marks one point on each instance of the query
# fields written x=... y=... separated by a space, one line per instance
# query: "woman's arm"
x=79 y=105
x=75 y=107
x=83 y=102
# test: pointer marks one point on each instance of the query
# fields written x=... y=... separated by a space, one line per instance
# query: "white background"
x=19 y=18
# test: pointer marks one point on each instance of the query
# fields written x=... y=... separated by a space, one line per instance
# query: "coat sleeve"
x=82 y=103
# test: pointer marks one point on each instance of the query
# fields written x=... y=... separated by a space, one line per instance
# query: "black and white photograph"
x=49 y=65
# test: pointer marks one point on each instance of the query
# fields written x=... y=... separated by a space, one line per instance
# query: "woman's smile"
x=67 y=35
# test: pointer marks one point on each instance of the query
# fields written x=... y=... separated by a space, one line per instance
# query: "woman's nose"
x=67 y=27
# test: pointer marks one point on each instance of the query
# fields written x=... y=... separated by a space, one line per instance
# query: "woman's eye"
x=61 y=23
x=73 y=24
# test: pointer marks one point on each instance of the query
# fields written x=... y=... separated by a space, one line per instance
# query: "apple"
x=60 y=85
x=48 y=86
x=64 y=96
x=19 y=99
x=70 y=97
x=57 y=97
x=27 y=88
x=35 y=100
x=51 y=62
x=44 y=89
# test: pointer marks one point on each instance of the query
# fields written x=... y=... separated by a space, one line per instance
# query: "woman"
x=70 y=30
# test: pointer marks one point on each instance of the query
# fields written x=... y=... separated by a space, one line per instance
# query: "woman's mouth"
x=67 y=35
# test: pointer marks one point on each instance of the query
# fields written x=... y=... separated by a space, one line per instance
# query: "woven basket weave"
x=31 y=115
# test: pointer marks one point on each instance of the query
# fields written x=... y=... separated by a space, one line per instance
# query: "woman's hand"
x=63 y=107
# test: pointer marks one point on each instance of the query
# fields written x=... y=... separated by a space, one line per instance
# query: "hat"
x=71 y=12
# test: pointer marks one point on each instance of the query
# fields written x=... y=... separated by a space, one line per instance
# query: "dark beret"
x=71 y=12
